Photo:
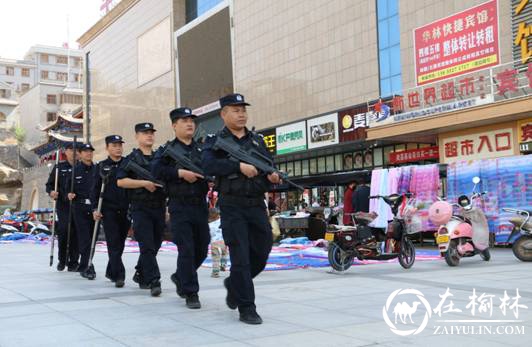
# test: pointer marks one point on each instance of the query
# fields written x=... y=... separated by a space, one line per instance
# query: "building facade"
x=337 y=88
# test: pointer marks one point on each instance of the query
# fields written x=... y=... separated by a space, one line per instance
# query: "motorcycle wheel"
x=407 y=255
x=522 y=248
x=485 y=255
x=338 y=259
x=452 y=258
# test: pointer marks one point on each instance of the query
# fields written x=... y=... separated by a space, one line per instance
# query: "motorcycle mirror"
x=476 y=180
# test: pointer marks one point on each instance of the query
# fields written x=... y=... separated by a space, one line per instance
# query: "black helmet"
x=464 y=201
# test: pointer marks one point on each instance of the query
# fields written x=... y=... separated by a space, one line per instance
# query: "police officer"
x=63 y=210
x=187 y=192
x=244 y=221
x=114 y=212
x=82 y=207
x=148 y=209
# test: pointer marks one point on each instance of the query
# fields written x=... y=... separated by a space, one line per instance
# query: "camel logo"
x=403 y=311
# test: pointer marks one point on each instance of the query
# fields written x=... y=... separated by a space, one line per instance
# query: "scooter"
x=365 y=242
x=464 y=234
x=522 y=247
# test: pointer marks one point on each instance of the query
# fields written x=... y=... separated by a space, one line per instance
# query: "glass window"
x=304 y=167
x=368 y=158
x=196 y=8
x=313 y=166
x=386 y=154
x=321 y=165
x=389 y=37
x=297 y=168
x=394 y=36
x=400 y=147
x=358 y=160
x=290 y=168
x=338 y=162
x=329 y=162
x=282 y=167
x=411 y=146
x=377 y=156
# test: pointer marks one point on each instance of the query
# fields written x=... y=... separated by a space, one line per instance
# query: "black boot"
x=89 y=274
x=250 y=316
x=73 y=267
x=229 y=300
x=60 y=266
x=177 y=286
x=155 y=288
x=119 y=283
x=192 y=301
x=137 y=278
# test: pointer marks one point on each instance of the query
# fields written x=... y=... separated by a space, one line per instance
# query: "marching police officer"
x=63 y=209
x=148 y=209
x=114 y=211
x=187 y=192
x=82 y=207
x=244 y=221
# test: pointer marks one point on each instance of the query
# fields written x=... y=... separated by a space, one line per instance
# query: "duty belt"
x=241 y=200
x=82 y=201
x=191 y=200
x=148 y=204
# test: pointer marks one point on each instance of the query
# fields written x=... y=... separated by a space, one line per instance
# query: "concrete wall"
x=295 y=59
x=118 y=101
x=34 y=180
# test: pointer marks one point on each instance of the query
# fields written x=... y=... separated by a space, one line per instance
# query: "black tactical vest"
x=141 y=194
x=179 y=188
x=238 y=184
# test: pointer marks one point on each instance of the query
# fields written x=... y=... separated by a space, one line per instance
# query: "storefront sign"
x=522 y=29
x=377 y=119
x=353 y=124
x=461 y=43
x=269 y=140
x=414 y=155
x=478 y=145
x=323 y=131
x=291 y=138
x=524 y=130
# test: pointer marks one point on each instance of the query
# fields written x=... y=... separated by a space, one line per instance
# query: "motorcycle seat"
x=517 y=221
x=367 y=217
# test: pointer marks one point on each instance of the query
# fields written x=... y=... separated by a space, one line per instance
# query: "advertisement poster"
x=291 y=138
x=323 y=131
x=458 y=44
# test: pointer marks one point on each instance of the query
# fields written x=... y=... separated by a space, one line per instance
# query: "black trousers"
x=190 y=229
x=116 y=225
x=148 y=225
x=84 y=226
x=248 y=233
x=62 y=209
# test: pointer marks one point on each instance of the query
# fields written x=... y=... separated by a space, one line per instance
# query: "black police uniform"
x=244 y=221
x=115 y=218
x=148 y=212
x=188 y=214
x=82 y=210
x=63 y=209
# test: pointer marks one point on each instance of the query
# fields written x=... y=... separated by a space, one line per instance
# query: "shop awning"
x=327 y=180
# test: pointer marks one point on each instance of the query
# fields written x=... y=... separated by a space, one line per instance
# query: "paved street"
x=307 y=307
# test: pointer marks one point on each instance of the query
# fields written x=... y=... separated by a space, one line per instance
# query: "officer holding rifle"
x=178 y=165
x=241 y=185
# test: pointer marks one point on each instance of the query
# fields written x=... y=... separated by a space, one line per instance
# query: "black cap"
x=144 y=127
x=181 y=112
x=233 y=99
x=86 y=147
x=113 y=139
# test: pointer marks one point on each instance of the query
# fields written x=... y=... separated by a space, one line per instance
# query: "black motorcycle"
x=366 y=243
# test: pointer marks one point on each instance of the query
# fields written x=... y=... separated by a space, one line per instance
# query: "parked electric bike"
x=462 y=234
x=367 y=243
x=522 y=246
